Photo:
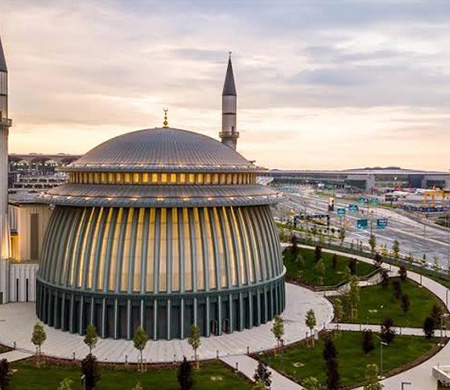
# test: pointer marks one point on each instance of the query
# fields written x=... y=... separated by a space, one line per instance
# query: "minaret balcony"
x=226 y=134
x=5 y=122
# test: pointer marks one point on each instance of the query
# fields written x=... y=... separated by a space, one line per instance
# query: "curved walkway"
x=17 y=320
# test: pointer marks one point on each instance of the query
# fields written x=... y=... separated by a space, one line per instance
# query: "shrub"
x=91 y=372
x=397 y=286
x=185 y=378
x=402 y=273
x=352 y=266
x=5 y=374
x=317 y=253
x=367 y=341
x=428 y=327
x=387 y=333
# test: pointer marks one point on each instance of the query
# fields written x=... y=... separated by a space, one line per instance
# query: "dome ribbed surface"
x=166 y=147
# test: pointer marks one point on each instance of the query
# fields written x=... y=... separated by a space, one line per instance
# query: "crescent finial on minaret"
x=166 y=122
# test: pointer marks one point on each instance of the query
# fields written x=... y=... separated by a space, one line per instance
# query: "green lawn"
x=211 y=375
x=308 y=273
x=300 y=362
x=378 y=302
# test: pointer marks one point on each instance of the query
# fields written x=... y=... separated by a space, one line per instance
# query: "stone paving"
x=17 y=320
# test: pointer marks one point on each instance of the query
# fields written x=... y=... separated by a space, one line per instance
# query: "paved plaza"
x=17 y=320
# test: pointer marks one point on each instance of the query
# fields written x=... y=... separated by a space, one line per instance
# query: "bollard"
x=217 y=354
x=174 y=357
x=248 y=350
x=73 y=355
x=14 y=345
x=126 y=359
x=237 y=367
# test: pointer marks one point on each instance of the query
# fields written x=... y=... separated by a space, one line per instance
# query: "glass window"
x=200 y=178
x=182 y=178
x=173 y=178
x=216 y=178
x=208 y=178
x=163 y=178
x=136 y=177
x=229 y=178
x=119 y=178
x=191 y=178
x=111 y=178
x=145 y=177
x=154 y=178
x=163 y=250
x=127 y=178
x=103 y=178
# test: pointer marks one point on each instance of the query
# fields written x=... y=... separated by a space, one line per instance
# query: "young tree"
x=402 y=273
x=342 y=236
x=138 y=386
x=384 y=278
x=397 y=286
x=346 y=274
x=65 y=384
x=329 y=350
x=334 y=261
x=5 y=374
x=278 y=329
x=310 y=322
x=320 y=268
x=333 y=376
x=353 y=296
x=317 y=253
x=259 y=385
x=263 y=374
x=311 y=383
x=338 y=310
x=38 y=337
x=367 y=341
x=185 y=375
x=378 y=259
x=91 y=372
x=396 y=250
x=428 y=327
x=91 y=337
x=373 y=244
x=194 y=341
x=387 y=333
x=405 y=303
x=371 y=378
x=140 y=339
x=352 y=265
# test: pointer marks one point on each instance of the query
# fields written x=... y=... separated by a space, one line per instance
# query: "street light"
x=381 y=357
x=405 y=383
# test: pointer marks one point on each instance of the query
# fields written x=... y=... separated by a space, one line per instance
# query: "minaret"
x=229 y=134
x=5 y=124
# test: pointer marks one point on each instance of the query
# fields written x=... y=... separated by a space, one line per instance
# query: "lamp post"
x=405 y=383
x=381 y=357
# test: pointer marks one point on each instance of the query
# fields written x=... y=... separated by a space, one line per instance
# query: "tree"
x=91 y=372
x=311 y=383
x=342 y=236
x=194 y=341
x=387 y=333
x=138 y=386
x=333 y=376
x=396 y=250
x=329 y=350
x=185 y=376
x=5 y=374
x=91 y=337
x=259 y=385
x=397 y=286
x=65 y=384
x=317 y=253
x=278 y=329
x=367 y=341
x=338 y=310
x=352 y=265
x=320 y=268
x=334 y=261
x=384 y=278
x=38 y=337
x=373 y=244
x=294 y=245
x=263 y=374
x=402 y=273
x=428 y=327
x=405 y=303
x=346 y=274
x=140 y=339
x=371 y=379
x=436 y=312
x=378 y=259
x=353 y=296
x=299 y=260
x=310 y=322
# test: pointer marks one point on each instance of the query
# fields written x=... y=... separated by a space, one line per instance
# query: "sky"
x=321 y=84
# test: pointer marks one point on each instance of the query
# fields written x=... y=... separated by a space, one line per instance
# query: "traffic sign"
x=382 y=223
x=374 y=201
x=362 y=224
x=363 y=200
x=353 y=208
x=340 y=211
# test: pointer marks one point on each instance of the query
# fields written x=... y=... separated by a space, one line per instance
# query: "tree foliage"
x=140 y=339
x=378 y=259
x=402 y=273
x=5 y=374
x=194 y=340
x=371 y=378
x=396 y=249
x=353 y=296
x=278 y=329
x=338 y=310
x=311 y=383
x=65 y=384
x=310 y=322
x=91 y=337
x=428 y=327
x=185 y=375
x=332 y=372
x=39 y=336
x=138 y=386
x=342 y=236
x=263 y=374
x=317 y=253
x=405 y=303
x=294 y=245
x=367 y=341
x=373 y=244
x=329 y=350
x=397 y=286
x=91 y=371
x=387 y=333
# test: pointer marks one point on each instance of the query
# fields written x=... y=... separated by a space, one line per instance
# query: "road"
x=415 y=238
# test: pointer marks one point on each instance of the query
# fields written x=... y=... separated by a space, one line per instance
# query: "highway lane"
x=415 y=238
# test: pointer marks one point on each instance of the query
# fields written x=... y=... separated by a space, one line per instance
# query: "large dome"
x=162 y=149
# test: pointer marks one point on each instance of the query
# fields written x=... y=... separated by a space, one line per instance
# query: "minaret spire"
x=229 y=134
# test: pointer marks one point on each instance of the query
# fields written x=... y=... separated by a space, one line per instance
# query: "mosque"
x=160 y=228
